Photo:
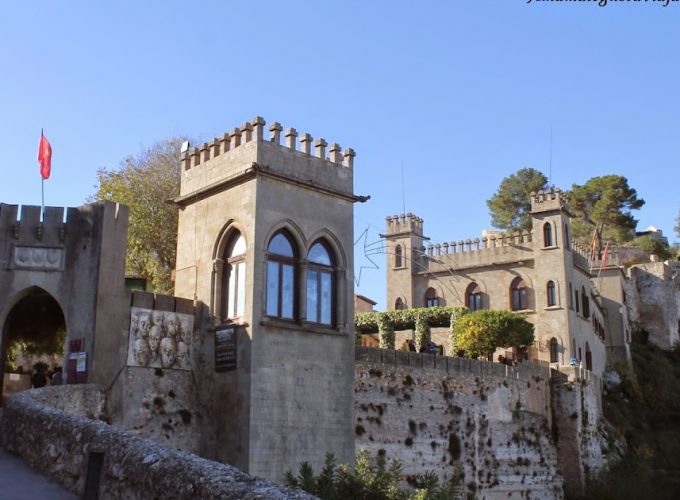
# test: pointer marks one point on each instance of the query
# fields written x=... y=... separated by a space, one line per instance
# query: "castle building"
x=265 y=238
x=540 y=273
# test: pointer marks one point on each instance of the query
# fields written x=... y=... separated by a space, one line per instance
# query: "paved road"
x=19 y=482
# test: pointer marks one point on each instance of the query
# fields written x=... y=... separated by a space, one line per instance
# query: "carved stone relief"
x=160 y=339
x=38 y=258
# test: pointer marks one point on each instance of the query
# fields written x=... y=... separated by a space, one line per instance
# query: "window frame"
x=399 y=256
x=553 y=346
x=519 y=295
x=548 y=235
x=474 y=295
x=282 y=262
x=551 y=293
x=430 y=301
x=321 y=270
x=234 y=270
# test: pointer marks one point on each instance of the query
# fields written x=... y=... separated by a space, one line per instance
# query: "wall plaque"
x=225 y=349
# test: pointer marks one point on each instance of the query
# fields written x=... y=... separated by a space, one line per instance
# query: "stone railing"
x=58 y=432
x=523 y=371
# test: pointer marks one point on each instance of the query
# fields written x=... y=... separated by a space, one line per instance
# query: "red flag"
x=604 y=257
x=45 y=156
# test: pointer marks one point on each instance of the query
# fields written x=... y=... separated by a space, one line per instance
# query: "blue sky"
x=458 y=93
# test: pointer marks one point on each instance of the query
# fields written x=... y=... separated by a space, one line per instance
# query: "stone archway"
x=34 y=331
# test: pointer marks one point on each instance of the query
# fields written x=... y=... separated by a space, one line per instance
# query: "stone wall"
x=433 y=411
x=654 y=291
x=57 y=431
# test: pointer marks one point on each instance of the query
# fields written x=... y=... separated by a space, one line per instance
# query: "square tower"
x=265 y=239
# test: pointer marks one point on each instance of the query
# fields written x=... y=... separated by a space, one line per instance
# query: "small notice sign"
x=225 y=349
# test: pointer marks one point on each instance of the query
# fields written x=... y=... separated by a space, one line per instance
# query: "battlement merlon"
x=403 y=224
x=549 y=200
x=233 y=153
x=27 y=227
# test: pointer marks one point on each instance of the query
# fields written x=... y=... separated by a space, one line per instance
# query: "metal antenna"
x=403 y=190
x=550 y=160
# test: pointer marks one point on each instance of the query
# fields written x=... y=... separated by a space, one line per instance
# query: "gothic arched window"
x=473 y=297
x=431 y=299
x=398 y=256
x=518 y=295
x=566 y=236
x=399 y=304
x=281 y=271
x=550 y=292
x=554 y=350
x=547 y=235
x=320 y=284
x=585 y=303
x=234 y=277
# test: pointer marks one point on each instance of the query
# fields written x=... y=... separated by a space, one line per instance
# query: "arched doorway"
x=32 y=341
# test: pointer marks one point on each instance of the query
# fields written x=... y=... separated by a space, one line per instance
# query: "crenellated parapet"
x=254 y=132
x=404 y=224
x=479 y=244
x=547 y=200
x=489 y=250
x=35 y=242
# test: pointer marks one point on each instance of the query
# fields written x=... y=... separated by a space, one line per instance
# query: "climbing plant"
x=405 y=319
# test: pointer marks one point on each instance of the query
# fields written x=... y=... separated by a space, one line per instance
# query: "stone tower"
x=553 y=265
x=265 y=239
x=404 y=249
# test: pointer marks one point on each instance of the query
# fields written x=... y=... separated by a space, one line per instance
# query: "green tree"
x=510 y=206
x=480 y=333
x=652 y=247
x=603 y=205
x=144 y=183
x=677 y=228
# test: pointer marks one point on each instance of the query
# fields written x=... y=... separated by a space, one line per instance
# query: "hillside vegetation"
x=646 y=410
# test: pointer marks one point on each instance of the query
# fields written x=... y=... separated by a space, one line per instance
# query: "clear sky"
x=459 y=94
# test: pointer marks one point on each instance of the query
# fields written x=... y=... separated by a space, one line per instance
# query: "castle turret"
x=265 y=239
x=405 y=257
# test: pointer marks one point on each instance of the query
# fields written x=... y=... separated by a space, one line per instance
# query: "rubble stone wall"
x=57 y=431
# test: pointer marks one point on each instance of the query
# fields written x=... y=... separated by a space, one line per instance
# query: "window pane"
x=326 y=293
x=281 y=246
x=319 y=255
x=287 y=291
x=272 y=288
x=231 y=292
x=240 y=289
x=312 y=295
x=239 y=247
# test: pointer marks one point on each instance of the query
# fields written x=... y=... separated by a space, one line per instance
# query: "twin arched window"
x=282 y=275
x=518 y=295
x=431 y=299
x=473 y=297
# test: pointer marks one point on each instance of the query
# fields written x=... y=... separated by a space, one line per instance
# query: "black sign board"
x=225 y=349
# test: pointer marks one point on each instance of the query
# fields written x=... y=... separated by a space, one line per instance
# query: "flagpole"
x=42 y=183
